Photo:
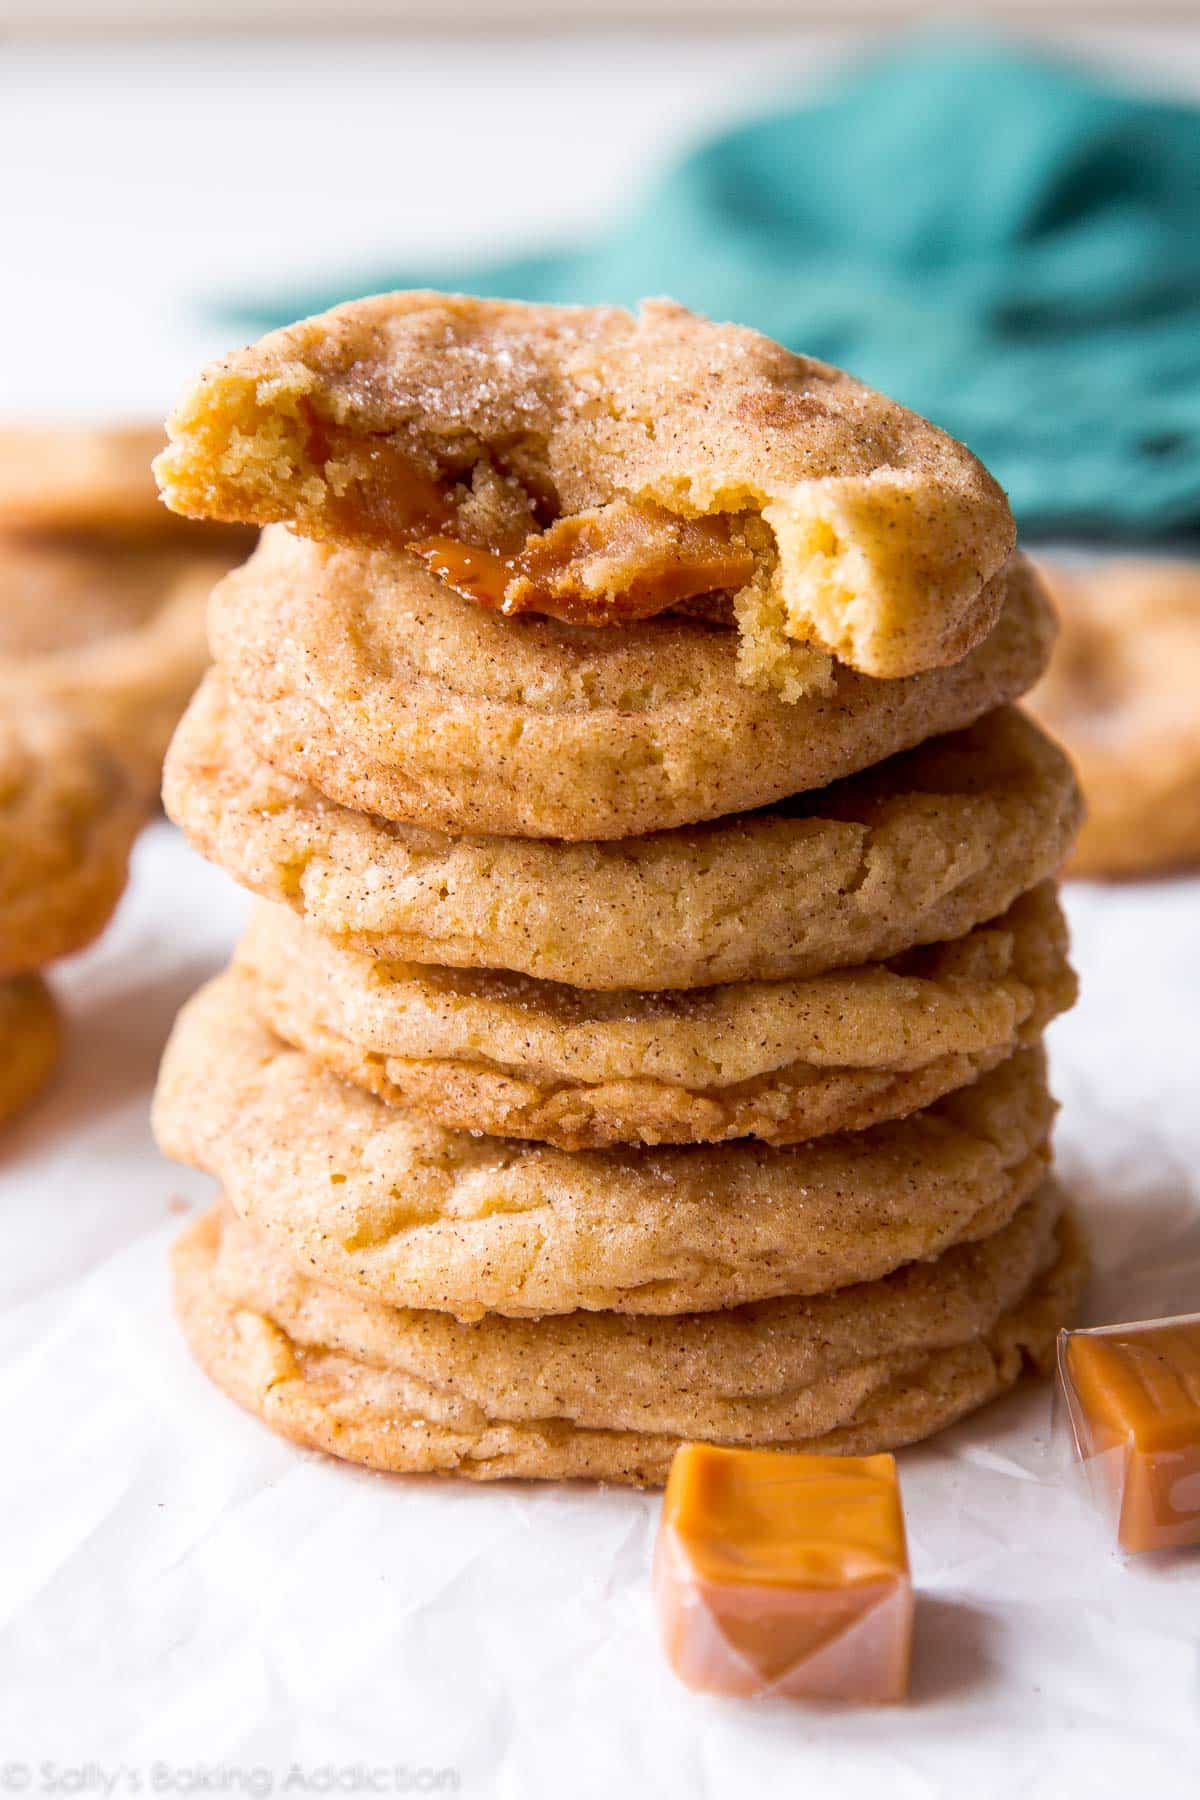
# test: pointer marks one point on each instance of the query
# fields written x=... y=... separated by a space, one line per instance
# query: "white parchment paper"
x=189 y=1606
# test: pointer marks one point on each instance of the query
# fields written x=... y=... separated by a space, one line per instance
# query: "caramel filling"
x=377 y=495
x=611 y=564
x=628 y=560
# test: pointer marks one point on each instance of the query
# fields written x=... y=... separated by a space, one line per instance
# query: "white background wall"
x=40 y=15
x=142 y=176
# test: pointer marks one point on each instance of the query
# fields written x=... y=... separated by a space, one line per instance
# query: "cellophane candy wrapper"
x=784 y=1574
x=1127 y=1411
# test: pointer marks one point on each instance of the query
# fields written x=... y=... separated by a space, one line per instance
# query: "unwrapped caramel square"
x=1133 y=1397
x=776 y=1573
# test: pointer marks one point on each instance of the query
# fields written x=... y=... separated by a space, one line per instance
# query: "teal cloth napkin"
x=1002 y=241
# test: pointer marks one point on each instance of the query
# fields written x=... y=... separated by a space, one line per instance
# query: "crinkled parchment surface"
x=180 y=1589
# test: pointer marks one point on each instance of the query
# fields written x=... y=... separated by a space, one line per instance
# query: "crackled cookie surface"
x=68 y=815
x=584 y=463
x=30 y=1038
x=356 y=672
x=605 y=1396
x=114 y=631
x=923 y=848
x=382 y=1199
x=1121 y=695
x=783 y=1061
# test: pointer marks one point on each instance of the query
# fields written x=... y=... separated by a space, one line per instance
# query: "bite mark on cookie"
x=597 y=468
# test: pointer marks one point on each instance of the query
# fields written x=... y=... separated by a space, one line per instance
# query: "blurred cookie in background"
x=1121 y=696
x=114 y=633
x=30 y=1040
x=94 y=481
x=69 y=813
x=102 y=591
x=102 y=641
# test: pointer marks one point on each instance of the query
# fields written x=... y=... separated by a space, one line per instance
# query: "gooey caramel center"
x=627 y=560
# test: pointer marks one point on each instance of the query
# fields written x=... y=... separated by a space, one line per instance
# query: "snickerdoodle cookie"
x=116 y=632
x=1121 y=694
x=386 y=1201
x=357 y=671
x=68 y=814
x=920 y=849
x=486 y=1051
x=95 y=482
x=606 y=1396
x=71 y=593
x=30 y=1037
x=584 y=463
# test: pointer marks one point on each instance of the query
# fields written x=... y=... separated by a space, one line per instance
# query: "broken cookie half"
x=598 y=467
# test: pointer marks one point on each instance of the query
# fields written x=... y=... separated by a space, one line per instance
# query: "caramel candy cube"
x=776 y=1573
x=1133 y=1394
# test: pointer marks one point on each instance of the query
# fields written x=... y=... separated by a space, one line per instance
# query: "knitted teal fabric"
x=1001 y=241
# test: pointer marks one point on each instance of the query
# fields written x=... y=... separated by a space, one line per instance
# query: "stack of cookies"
x=641 y=1036
x=101 y=643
